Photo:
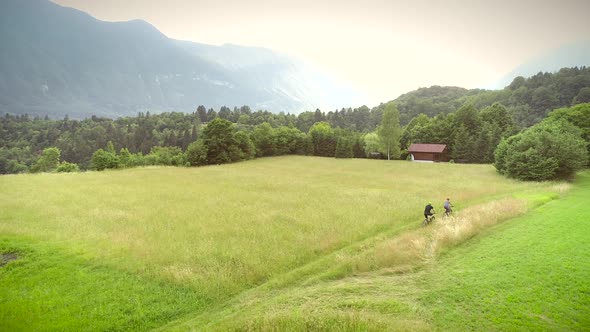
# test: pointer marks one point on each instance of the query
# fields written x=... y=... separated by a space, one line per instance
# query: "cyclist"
x=428 y=212
x=448 y=207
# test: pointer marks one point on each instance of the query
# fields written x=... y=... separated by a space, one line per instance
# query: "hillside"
x=529 y=99
x=56 y=60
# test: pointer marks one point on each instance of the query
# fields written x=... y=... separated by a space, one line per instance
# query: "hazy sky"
x=384 y=48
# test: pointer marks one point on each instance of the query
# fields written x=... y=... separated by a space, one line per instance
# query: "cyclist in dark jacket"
x=428 y=210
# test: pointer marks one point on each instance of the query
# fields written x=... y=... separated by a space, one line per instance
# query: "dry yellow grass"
x=561 y=187
x=415 y=247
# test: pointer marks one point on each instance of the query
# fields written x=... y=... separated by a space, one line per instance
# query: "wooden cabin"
x=429 y=152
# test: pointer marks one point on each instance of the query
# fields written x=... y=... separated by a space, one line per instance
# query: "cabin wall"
x=423 y=156
x=430 y=156
x=442 y=156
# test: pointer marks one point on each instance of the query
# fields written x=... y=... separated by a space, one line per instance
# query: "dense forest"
x=528 y=100
x=471 y=122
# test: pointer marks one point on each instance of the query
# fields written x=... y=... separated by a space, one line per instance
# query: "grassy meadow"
x=529 y=274
x=198 y=247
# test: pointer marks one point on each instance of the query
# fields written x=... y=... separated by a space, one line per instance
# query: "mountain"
x=57 y=60
x=278 y=76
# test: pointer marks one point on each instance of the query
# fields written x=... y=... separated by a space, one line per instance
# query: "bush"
x=245 y=145
x=48 y=161
x=263 y=137
x=531 y=166
x=150 y=159
x=579 y=116
x=501 y=153
x=372 y=146
x=65 y=167
x=14 y=160
x=127 y=159
x=289 y=141
x=102 y=159
x=11 y=166
x=550 y=150
x=344 y=147
x=178 y=160
x=218 y=137
x=124 y=158
x=136 y=159
x=196 y=153
x=358 y=147
x=166 y=155
x=323 y=139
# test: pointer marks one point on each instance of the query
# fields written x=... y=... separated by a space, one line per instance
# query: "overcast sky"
x=384 y=48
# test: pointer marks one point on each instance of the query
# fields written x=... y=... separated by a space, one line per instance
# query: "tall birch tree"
x=389 y=132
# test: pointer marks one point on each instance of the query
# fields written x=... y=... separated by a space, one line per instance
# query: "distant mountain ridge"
x=57 y=60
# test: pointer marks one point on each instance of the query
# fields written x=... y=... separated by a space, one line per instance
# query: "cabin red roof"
x=431 y=148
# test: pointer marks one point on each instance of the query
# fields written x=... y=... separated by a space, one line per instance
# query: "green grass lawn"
x=530 y=274
x=134 y=249
x=46 y=288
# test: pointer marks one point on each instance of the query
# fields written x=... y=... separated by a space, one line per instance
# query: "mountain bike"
x=448 y=213
x=428 y=220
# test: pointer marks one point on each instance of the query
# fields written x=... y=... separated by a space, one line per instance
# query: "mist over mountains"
x=56 y=60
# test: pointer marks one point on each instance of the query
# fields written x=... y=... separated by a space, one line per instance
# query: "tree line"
x=229 y=135
x=164 y=139
x=177 y=139
x=23 y=138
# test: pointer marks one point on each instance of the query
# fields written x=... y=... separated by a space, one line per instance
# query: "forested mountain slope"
x=528 y=99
